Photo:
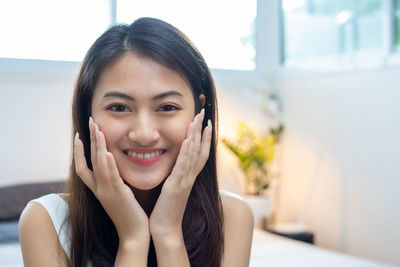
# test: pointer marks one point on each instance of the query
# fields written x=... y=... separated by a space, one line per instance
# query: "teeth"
x=145 y=155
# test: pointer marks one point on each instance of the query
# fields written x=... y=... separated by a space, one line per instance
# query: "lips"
x=144 y=158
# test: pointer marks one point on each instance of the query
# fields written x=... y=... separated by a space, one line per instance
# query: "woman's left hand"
x=166 y=218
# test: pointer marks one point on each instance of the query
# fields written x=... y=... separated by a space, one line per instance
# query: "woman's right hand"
x=114 y=195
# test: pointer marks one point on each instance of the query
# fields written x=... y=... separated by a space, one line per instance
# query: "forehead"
x=141 y=77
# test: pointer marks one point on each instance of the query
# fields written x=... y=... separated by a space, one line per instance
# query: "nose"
x=144 y=131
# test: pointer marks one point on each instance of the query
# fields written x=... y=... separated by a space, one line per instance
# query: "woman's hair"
x=93 y=237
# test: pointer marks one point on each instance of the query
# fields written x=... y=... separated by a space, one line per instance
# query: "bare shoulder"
x=38 y=238
x=238 y=230
x=234 y=206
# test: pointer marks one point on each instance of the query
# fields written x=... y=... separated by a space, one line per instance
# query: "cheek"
x=176 y=130
x=112 y=129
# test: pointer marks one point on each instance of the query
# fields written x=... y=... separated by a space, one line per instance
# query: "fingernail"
x=97 y=128
x=209 y=123
x=76 y=136
x=202 y=111
x=90 y=119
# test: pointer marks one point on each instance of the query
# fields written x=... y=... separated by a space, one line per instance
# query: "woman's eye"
x=168 y=108
x=118 y=108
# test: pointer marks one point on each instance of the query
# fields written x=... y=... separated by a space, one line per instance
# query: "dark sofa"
x=13 y=200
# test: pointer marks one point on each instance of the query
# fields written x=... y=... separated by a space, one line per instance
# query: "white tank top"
x=57 y=209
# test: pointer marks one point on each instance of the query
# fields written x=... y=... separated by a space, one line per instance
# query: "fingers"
x=101 y=166
x=104 y=164
x=189 y=130
x=205 y=146
x=81 y=167
x=113 y=169
x=197 y=126
x=196 y=136
x=192 y=141
x=182 y=162
x=201 y=142
x=93 y=150
x=194 y=150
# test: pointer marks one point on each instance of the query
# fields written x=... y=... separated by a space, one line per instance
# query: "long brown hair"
x=93 y=237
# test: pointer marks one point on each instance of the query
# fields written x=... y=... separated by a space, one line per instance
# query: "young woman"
x=143 y=187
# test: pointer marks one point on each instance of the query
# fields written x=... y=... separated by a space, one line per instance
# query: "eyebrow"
x=130 y=98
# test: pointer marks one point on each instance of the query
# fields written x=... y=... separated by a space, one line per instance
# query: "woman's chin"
x=143 y=184
x=145 y=187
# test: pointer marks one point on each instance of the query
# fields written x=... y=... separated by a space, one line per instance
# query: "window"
x=52 y=30
x=63 y=30
x=397 y=23
x=224 y=31
x=331 y=33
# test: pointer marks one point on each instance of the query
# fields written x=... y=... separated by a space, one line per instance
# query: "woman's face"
x=143 y=109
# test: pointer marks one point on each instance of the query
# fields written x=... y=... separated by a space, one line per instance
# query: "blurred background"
x=326 y=70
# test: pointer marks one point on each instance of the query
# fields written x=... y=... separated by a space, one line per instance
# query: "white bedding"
x=267 y=250
x=272 y=250
x=10 y=255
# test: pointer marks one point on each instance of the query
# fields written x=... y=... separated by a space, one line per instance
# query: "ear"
x=202 y=100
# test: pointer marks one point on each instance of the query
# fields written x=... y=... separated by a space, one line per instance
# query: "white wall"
x=341 y=163
x=35 y=116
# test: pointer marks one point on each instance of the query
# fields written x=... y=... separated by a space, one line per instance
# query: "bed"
x=267 y=249
x=272 y=250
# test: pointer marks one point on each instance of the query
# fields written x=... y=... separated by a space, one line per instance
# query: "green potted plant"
x=255 y=154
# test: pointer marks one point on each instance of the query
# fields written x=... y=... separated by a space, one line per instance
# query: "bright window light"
x=397 y=22
x=324 y=33
x=224 y=31
x=51 y=29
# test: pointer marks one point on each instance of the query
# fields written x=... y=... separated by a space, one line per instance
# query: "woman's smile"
x=143 y=157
